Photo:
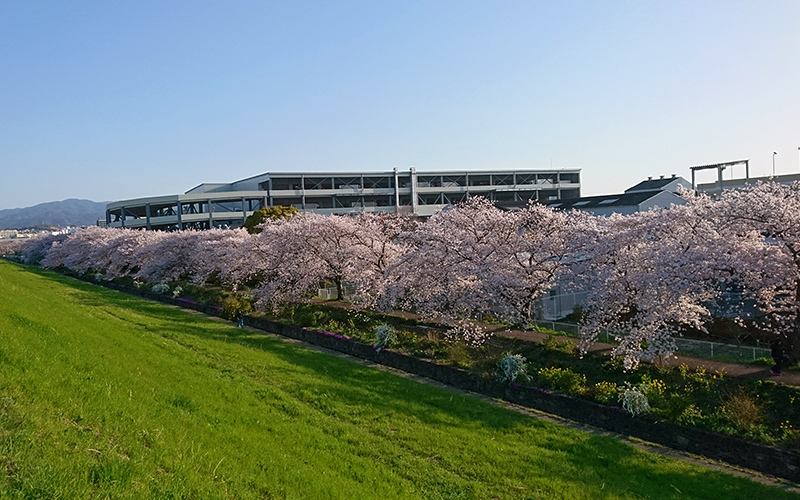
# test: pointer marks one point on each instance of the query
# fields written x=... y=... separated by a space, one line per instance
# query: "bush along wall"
x=758 y=457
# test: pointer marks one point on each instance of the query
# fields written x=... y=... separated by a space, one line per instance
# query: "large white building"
x=408 y=192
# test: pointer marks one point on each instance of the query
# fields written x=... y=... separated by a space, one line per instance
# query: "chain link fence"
x=687 y=347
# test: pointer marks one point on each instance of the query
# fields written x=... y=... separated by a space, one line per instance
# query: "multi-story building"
x=408 y=192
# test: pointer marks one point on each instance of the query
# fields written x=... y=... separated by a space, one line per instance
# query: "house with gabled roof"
x=651 y=193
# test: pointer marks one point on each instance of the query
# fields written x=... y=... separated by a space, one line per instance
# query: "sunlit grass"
x=106 y=395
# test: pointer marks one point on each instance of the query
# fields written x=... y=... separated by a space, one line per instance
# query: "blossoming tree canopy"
x=647 y=275
x=477 y=260
x=763 y=222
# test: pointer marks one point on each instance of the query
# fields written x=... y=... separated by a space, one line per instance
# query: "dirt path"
x=727 y=368
x=789 y=377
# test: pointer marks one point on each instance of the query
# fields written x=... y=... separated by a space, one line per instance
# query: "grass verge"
x=103 y=395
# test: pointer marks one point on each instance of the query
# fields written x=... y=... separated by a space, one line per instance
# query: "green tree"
x=274 y=213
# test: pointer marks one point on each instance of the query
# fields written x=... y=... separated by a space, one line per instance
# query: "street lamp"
x=773 y=162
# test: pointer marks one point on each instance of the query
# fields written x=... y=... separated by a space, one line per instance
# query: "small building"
x=650 y=193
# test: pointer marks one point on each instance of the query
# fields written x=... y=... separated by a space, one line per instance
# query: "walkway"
x=789 y=377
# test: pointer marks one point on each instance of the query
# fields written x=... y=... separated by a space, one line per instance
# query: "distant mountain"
x=70 y=212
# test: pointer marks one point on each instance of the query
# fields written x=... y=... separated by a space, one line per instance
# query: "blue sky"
x=116 y=100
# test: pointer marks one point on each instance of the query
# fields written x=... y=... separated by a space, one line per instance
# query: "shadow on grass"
x=597 y=460
x=352 y=382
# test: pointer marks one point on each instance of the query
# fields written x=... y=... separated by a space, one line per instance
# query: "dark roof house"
x=651 y=193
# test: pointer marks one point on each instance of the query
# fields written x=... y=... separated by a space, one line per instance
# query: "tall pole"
x=773 y=162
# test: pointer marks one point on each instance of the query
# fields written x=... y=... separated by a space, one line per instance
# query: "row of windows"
x=186 y=208
x=354 y=182
x=331 y=202
x=404 y=181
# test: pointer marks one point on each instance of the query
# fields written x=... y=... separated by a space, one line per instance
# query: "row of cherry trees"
x=647 y=274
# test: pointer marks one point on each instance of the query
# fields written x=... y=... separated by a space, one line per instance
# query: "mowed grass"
x=104 y=395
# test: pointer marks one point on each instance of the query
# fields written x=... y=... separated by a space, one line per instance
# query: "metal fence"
x=705 y=349
x=688 y=347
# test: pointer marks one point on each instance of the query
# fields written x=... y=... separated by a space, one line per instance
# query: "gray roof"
x=660 y=184
x=604 y=201
x=631 y=199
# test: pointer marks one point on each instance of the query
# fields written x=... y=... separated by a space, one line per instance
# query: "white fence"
x=687 y=347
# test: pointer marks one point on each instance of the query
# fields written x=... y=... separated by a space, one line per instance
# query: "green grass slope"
x=104 y=395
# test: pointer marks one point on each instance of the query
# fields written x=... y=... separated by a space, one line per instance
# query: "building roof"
x=604 y=201
x=660 y=184
x=658 y=192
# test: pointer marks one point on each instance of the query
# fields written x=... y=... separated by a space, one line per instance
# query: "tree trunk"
x=339 y=289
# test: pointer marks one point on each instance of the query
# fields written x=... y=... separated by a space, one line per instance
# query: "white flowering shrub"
x=99 y=276
x=633 y=398
x=470 y=333
x=160 y=288
x=511 y=368
x=384 y=334
x=177 y=291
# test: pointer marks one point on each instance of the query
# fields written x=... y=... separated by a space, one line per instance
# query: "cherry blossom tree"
x=11 y=246
x=301 y=253
x=763 y=222
x=36 y=249
x=651 y=275
x=74 y=252
x=376 y=245
x=475 y=260
x=118 y=256
x=648 y=275
x=225 y=255
x=177 y=255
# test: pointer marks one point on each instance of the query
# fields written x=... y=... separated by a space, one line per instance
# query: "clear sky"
x=114 y=100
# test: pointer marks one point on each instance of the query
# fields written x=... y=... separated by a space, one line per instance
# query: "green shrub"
x=789 y=434
x=672 y=406
x=542 y=329
x=426 y=346
x=605 y=392
x=743 y=410
x=458 y=354
x=654 y=389
x=511 y=368
x=310 y=318
x=385 y=335
x=691 y=415
x=554 y=344
x=562 y=380
x=236 y=302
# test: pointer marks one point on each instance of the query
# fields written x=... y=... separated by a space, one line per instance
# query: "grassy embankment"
x=104 y=395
